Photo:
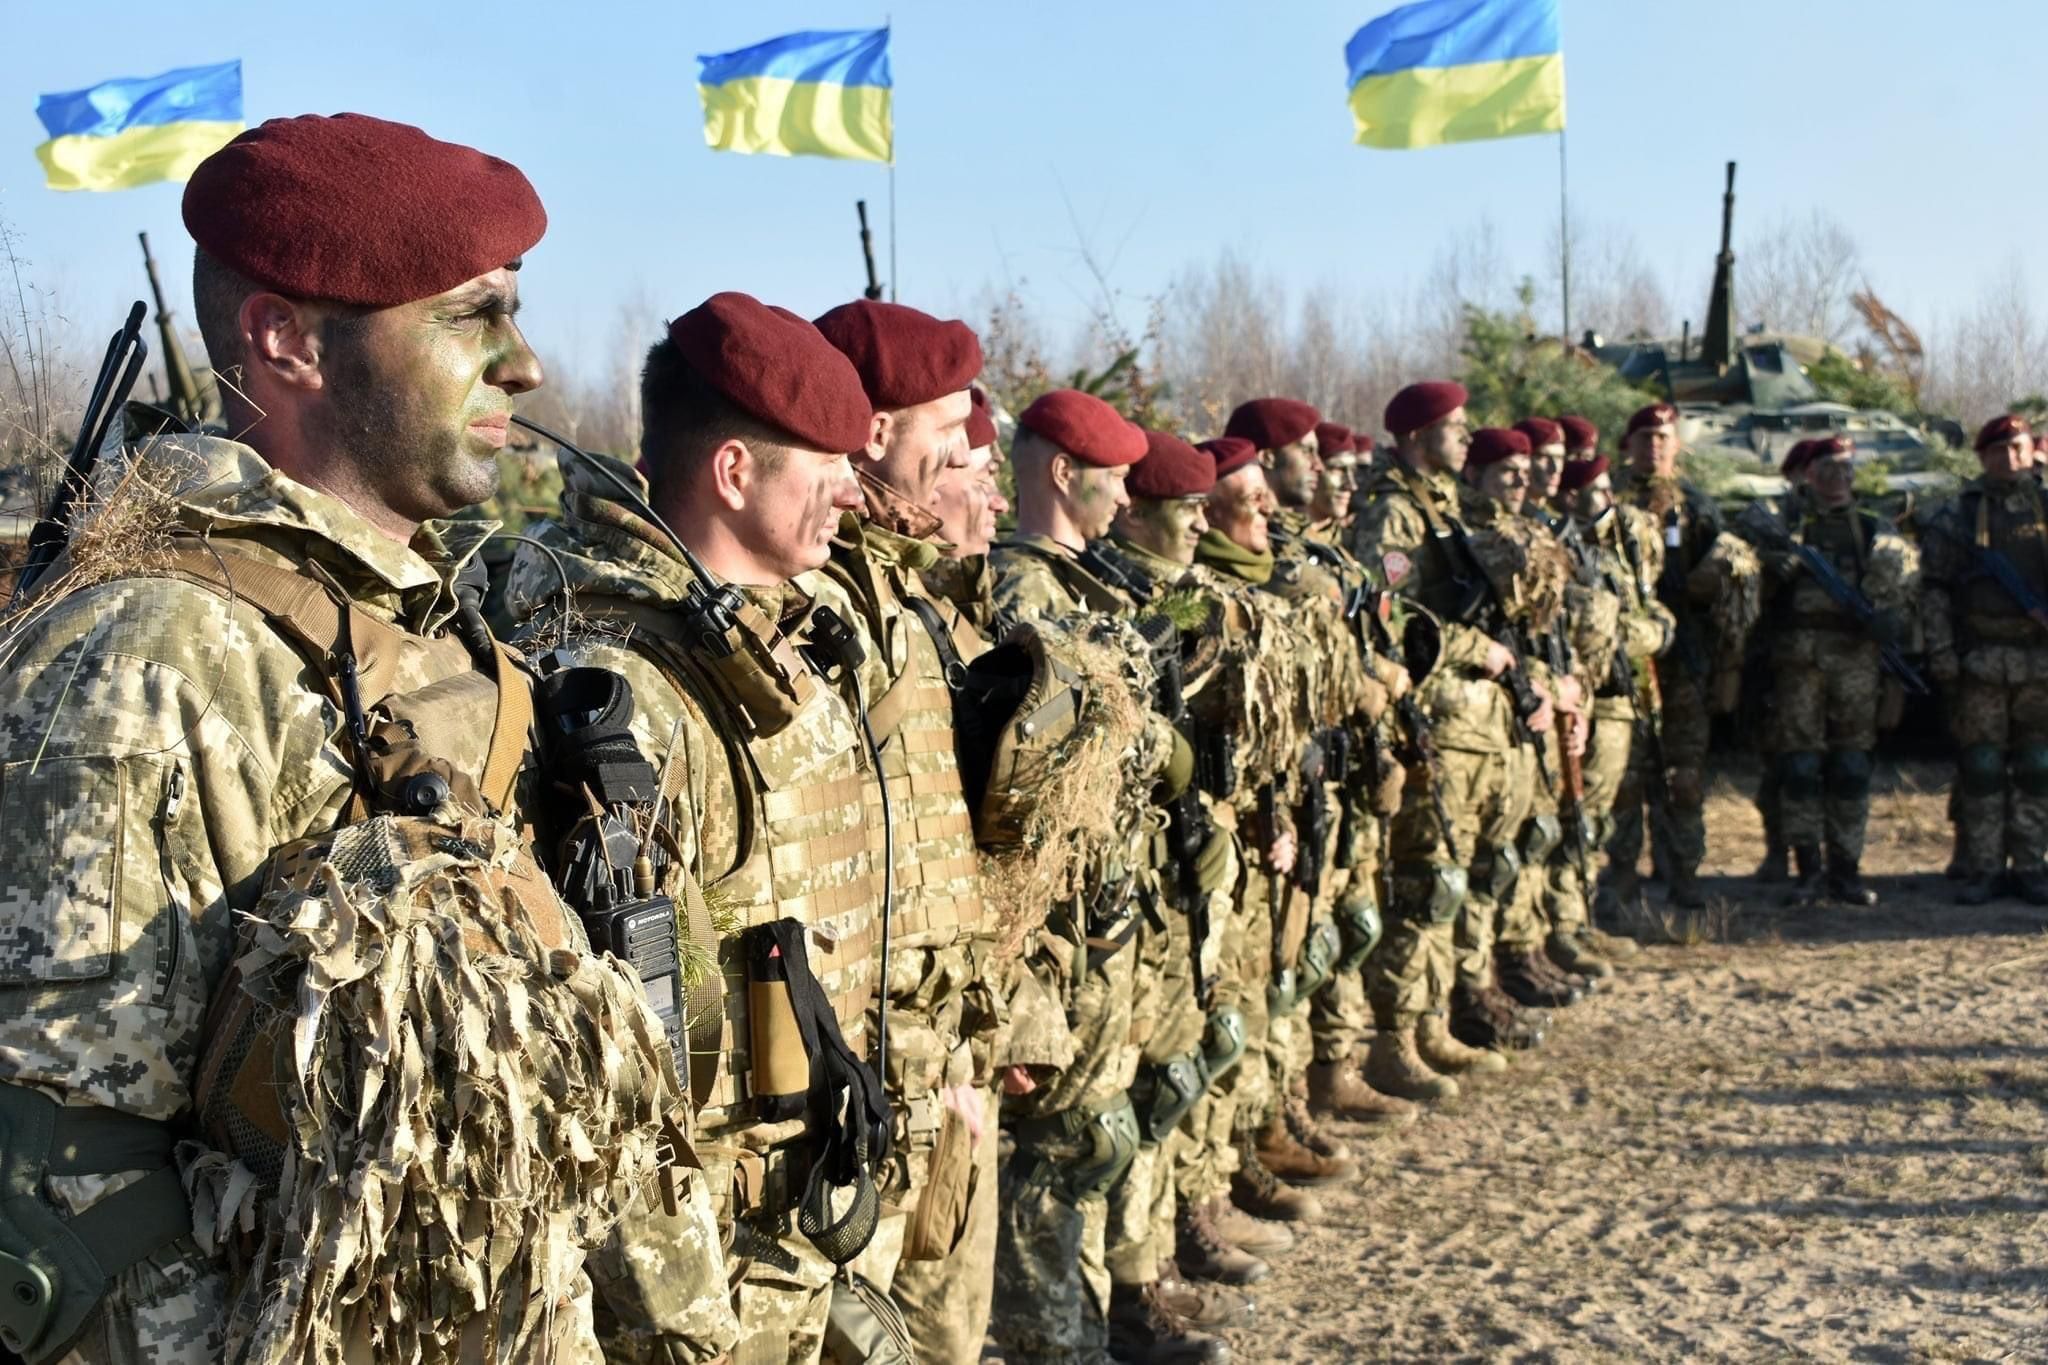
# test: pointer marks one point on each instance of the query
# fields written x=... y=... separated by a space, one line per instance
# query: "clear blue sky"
x=1175 y=129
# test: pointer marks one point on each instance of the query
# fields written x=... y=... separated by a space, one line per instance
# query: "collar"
x=1225 y=555
x=893 y=512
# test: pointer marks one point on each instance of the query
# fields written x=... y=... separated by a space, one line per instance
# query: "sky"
x=1157 y=134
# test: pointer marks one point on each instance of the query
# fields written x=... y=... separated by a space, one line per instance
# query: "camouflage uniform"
x=781 y=834
x=1993 y=661
x=178 y=736
x=1826 y=680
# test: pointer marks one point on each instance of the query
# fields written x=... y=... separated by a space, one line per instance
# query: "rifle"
x=126 y=351
x=1422 y=750
x=1188 y=828
x=1527 y=703
x=1863 y=611
x=1312 y=830
x=186 y=403
x=867 y=251
x=1991 y=564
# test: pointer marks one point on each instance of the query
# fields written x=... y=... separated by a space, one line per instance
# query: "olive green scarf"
x=1225 y=555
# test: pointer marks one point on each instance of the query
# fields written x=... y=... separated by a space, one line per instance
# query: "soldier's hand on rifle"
x=1546 y=714
x=1499 y=659
x=1280 y=857
x=1568 y=694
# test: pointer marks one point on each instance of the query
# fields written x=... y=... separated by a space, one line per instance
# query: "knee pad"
x=1428 y=892
x=1163 y=1092
x=1542 y=834
x=1801 y=775
x=1319 y=953
x=1358 y=923
x=1496 y=870
x=1687 y=789
x=2030 y=769
x=1849 y=774
x=1224 y=1041
x=1109 y=1140
x=1980 y=770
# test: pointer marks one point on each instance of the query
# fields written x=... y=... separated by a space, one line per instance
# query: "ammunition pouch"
x=1802 y=775
x=863 y=1323
x=1980 y=770
x=1282 y=993
x=1540 y=838
x=1429 y=892
x=55 y=1268
x=2030 y=770
x=1223 y=1042
x=1497 y=869
x=1358 y=922
x=1319 y=954
x=1088 y=1146
x=1163 y=1092
x=1849 y=774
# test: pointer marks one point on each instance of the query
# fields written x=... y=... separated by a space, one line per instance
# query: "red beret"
x=1334 y=438
x=1171 y=469
x=1655 y=415
x=981 y=428
x=774 y=365
x=1362 y=443
x=1231 y=454
x=1579 y=434
x=356 y=210
x=1797 y=458
x=1420 y=405
x=1581 y=473
x=1541 y=432
x=2005 y=428
x=905 y=357
x=1270 y=423
x=1084 y=427
x=1491 y=445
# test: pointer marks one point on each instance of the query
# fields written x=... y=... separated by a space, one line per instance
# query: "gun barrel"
x=184 y=389
x=867 y=251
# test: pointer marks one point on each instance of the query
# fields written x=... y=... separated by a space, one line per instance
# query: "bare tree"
x=1798 y=275
x=1614 y=289
x=1981 y=363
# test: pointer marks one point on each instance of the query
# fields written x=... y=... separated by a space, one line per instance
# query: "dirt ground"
x=1809 y=1135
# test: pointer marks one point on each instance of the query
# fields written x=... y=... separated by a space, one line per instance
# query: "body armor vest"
x=2014 y=522
x=1844 y=539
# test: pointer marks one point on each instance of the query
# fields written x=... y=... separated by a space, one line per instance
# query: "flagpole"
x=889 y=25
x=1564 y=241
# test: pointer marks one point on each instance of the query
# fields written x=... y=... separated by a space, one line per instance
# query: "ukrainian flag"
x=806 y=94
x=128 y=132
x=1457 y=71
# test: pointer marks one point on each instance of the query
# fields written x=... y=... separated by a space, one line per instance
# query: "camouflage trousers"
x=1825 y=690
x=946 y=1302
x=1676 y=804
x=1251 y=1083
x=1411 y=973
x=1495 y=869
x=1610 y=749
x=1140 y=1234
x=2000 y=720
x=1204 y=1163
x=1526 y=908
x=1338 y=1016
x=169 y=1309
x=662 y=1295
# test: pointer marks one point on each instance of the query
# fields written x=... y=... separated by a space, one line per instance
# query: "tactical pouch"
x=1319 y=953
x=781 y=1079
x=1358 y=922
x=1162 y=1094
x=863 y=1323
x=940 y=1218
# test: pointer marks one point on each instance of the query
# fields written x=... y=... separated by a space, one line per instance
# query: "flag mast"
x=889 y=27
x=1564 y=242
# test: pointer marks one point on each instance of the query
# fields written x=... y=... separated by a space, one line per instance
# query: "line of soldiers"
x=761 y=913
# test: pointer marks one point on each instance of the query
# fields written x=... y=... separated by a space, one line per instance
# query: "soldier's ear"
x=733 y=468
x=880 y=428
x=282 y=340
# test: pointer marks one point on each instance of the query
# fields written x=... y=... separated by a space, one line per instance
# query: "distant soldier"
x=1340 y=450
x=1983 y=607
x=967 y=501
x=1827 y=679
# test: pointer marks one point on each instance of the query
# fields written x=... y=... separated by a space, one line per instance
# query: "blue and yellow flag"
x=135 y=130
x=1457 y=71
x=806 y=94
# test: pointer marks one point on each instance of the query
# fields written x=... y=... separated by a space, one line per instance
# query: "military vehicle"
x=1748 y=395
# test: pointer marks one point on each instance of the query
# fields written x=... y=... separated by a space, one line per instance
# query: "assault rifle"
x=1188 y=828
x=1862 y=610
x=1312 y=829
x=1415 y=723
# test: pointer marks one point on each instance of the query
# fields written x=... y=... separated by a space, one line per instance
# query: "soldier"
x=944 y=1009
x=234 y=709
x=1984 y=584
x=1688 y=586
x=1409 y=529
x=1827 y=678
x=1339 y=449
x=1071 y=454
x=967 y=501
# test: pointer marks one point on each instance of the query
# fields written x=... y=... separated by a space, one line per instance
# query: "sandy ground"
x=1809 y=1135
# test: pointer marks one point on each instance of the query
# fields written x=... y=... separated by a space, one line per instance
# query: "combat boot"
x=1845 y=880
x=1262 y=1194
x=1523 y=978
x=1435 y=1045
x=1613 y=947
x=1204 y=1253
x=1522 y=1029
x=1308 y=1130
x=1571 y=952
x=1205 y=1306
x=1337 y=1088
x=1394 y=1067
x=1684 y=891
x=1473 y=1023
x=1981 y=889
x=1296 y=1163
x=1809 y=882
x=2031 y=886
x=1144 y=1330
x=1775 y=867
x=1546 y=969
x=1260 y=1236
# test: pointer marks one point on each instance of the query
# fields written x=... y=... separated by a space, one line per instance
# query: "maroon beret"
x=356 y=210
x=1581 y=473
x=776 y=367
x=905 y=357
x=1171 y=469
x=1334 y=438
x=1491 y=445
x=1362 y=443
x=1231 y=454
x=1579 y=434
x=1420 y=405
x=981 y=428
x=2006 y=428
x=1797 y=458
x=1655 y=415
x=1084 y=427
x=1270 y=423
x=1541 y=432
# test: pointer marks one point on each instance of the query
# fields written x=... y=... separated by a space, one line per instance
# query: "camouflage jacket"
x=1688 y=583
x=1961 y=607
x=1862 y=547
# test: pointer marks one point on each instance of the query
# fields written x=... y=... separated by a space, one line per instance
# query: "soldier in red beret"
x=1581 y=437
x=1339 y=449
x=1497 y=465
x=968 y=500
x=1547 y=455
x=1286 y=433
